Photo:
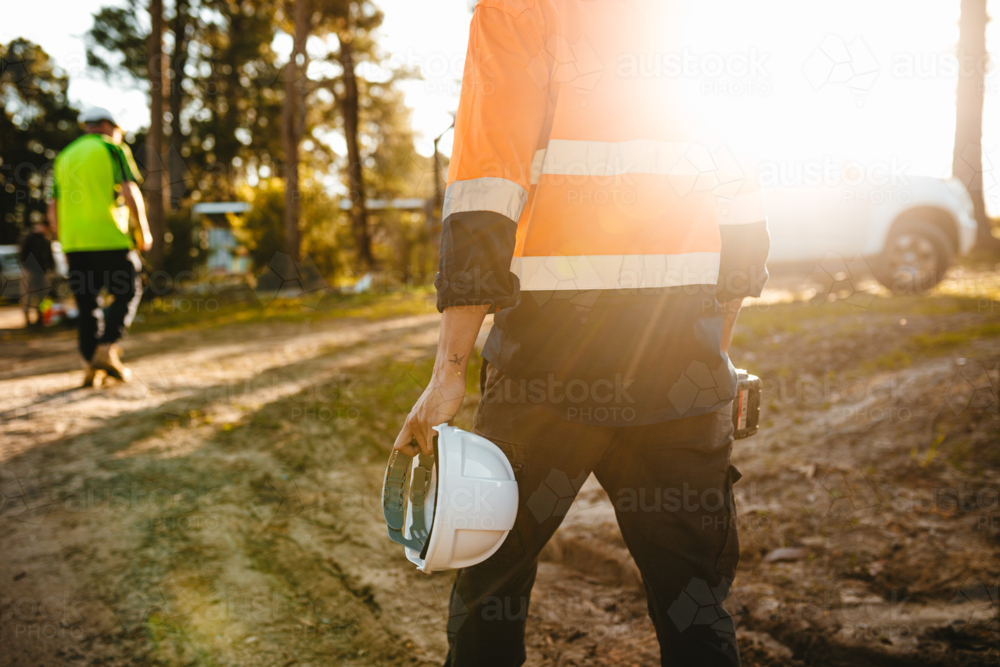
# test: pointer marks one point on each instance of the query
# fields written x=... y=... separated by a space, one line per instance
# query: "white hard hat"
x=453 y=509
x=96 y=115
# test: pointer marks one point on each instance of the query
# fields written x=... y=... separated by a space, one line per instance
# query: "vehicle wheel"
x=915 y=258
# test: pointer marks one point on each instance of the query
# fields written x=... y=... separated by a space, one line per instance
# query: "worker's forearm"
x=136 y=206
x=460 y=327
x=52 y=214
x=730 y=311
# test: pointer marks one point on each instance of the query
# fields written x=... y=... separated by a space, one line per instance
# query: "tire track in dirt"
x=38 y=410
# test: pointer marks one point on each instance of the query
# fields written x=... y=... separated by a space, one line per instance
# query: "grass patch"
x=183 y=312
x=927 y=345
x=173 y=644
x=891 y=361
x=352 y=418
x=948 y=340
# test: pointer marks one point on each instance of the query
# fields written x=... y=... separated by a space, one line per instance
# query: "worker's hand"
x=438 y=404
x=147 y=243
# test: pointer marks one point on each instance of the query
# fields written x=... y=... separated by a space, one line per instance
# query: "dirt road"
x=223 y=508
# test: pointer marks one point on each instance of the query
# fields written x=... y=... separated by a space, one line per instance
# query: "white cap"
x=96 y=115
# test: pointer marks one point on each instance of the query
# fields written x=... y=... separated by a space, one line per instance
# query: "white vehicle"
x=907 y=231
x=10 y=282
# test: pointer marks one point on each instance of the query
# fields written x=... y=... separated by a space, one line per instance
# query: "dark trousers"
x=671 y=485
x=89 y=273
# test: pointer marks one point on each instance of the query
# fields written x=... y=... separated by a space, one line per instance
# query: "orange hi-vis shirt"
x=591 y=204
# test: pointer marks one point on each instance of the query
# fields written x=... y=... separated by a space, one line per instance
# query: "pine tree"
x=36 y=122
x=156 y=185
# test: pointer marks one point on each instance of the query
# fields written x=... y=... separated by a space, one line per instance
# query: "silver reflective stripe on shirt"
x=610 y=272
x=485 y=194
x=688 y=166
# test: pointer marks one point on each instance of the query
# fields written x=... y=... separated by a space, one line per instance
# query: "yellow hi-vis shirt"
x=87 y=185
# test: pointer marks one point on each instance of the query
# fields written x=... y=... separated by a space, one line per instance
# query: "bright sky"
x=864 y=80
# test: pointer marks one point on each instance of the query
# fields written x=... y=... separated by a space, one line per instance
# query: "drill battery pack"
x=746 y=406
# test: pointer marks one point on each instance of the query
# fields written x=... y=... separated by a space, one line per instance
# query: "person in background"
x=94 y=191
x=36 y=262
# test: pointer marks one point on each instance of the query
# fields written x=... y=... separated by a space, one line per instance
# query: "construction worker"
x=95 y=190
x=595 y=213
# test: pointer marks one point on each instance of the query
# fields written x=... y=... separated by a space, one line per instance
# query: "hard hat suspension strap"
x=394 y=498
x=419 y=485
x=430 y=524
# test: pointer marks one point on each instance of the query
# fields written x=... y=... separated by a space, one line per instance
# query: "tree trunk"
x=177 y=64
x=155 y=185
x=355 y=175
x=292 y=109
x=967 y=160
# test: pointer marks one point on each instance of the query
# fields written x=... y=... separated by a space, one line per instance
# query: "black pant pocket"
x=729 y=557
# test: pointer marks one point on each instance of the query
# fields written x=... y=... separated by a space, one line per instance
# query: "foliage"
x=36 y=122
x=325 y=236
x=230 y=120
x=116 y=43
x=181 y=253
x=231 y=87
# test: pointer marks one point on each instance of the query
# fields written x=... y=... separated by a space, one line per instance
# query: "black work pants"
x=90 y=272
x=671 y=486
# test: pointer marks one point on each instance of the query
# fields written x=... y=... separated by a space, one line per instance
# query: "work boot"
x=91 y=376
x=106 y=359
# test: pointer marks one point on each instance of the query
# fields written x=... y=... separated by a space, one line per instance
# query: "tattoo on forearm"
x=456 y=359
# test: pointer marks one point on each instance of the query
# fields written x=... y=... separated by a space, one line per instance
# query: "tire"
x=916 y=256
